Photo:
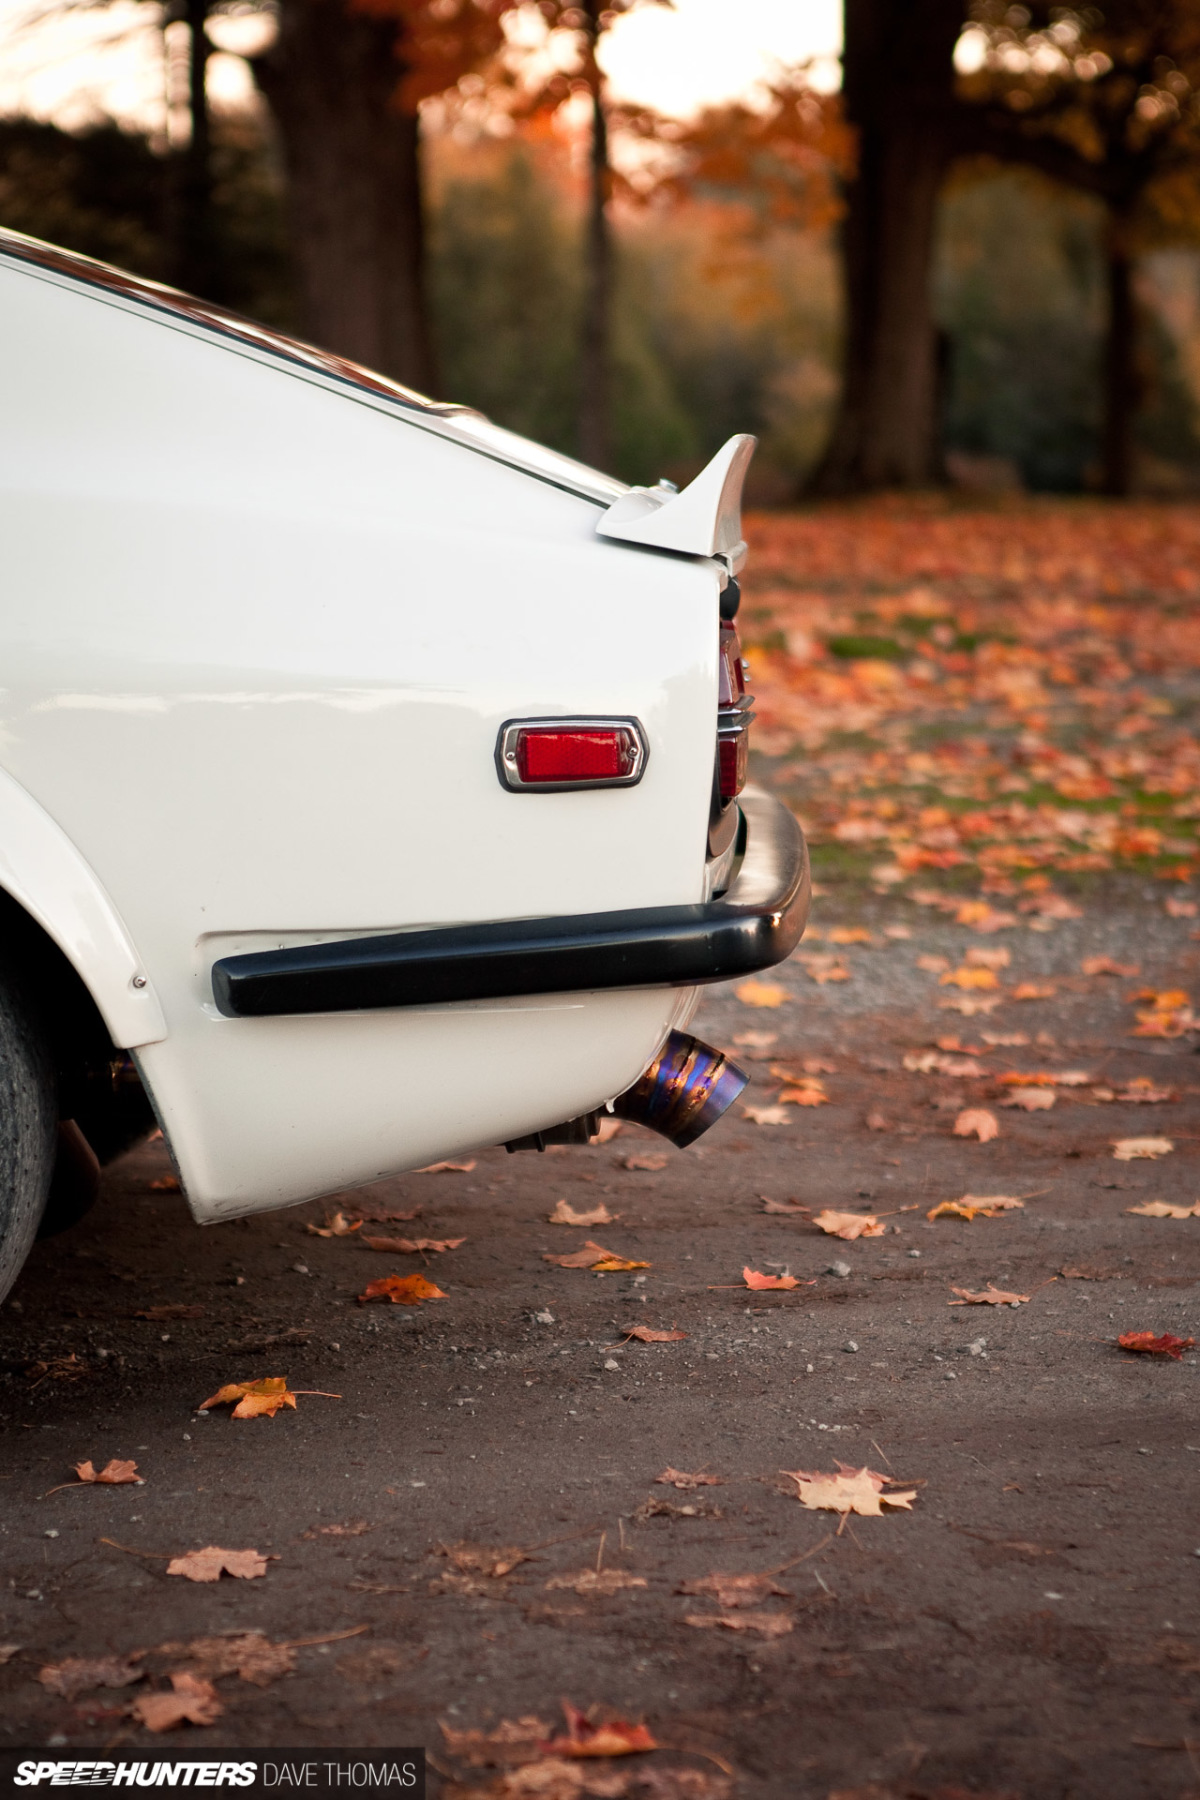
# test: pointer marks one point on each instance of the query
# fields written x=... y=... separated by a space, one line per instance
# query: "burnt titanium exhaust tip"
x=684 y=1091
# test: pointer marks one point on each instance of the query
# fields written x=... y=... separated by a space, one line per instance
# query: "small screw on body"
x=139 y=981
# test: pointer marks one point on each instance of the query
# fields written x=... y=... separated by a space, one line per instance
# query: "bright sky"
x=110 y=59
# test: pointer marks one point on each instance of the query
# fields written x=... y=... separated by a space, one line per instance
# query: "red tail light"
x=558 y=754
x=734 y=713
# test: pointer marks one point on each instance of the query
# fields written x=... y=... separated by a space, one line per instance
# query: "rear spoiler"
x=704 y=520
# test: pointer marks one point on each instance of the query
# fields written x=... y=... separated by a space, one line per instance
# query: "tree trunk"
x=1121 y=383
x=899 y=96
x=192 y=251
x=595 y=383
x=352 y=159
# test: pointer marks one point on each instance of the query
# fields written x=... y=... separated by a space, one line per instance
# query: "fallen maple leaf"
x=75 y=1675
x=935 y=1062
x=248 y=1654
x=1034 y=990
x=171 y=1309
x=734 y=1590
x=1031 y=1099
x=754 y=1278
x=644 y=1163
x=823 y=968
x=593 y=1256
x=765 y=1115
x=254 y=1399
x=211 y=1563
x=977 y=1122
x=848 y=934
x=616 y=1737
x=809 y=1093
x=851 y=1490
x=412 y=1246
x=1133 y=1149
x=192 y=1701
x=975 y=1206
x=494 y=1561
x=965 y=977
x=1104 y=965
x=1163 y=1209
x=597 y=1581
x=1147 y=1344
x=849 y=1225
x=765 y=1623
x=513 y=1740
x=336 y=1225
x=447 y=1168
x=115 y=1473
x=401 y=1290
x=679 y=1478
x=644 y=1335
x=1045 y=1078
x=991 y=1296
x=998 y=958
x=565 y=1214
x=761 y=993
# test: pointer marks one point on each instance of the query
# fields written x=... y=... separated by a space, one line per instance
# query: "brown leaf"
x=75 y=1675
x=1104 y=965
x=765 y=1623
x=1034 y=990
x=1163 y=1209
x=679 y=1478
x=248 y=1654
x=565 y=1214
x=977 y=1122
x=413 y=1246
x=483 y=1559
x=851 y=1490
x=115 y=1473
x=448 y=1168
x=513 y=1740
x=352 y=1529
x=192 y=1701
x=597 y=1581
x=645 y=1335
x=991 y=1296
x=253 y=1399
x=336 y=1225
x=975 y=1206
x=732 y=1591
x=592 y=1256
x=614 y=1737
x=1030 y=1099
x=211 y=1563
x=849 y=1225
x=1131 y=1149
x=401 y=1290
x=172 y=1309
x=646 y=1163
x=783 y=1206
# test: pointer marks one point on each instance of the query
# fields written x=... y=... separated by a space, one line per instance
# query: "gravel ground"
x=1029 y=1629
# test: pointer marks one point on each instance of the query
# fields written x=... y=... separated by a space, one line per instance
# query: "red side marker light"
x=571 y=753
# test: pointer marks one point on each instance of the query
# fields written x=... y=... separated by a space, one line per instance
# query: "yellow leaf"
x=849 y=1491
x=761 y=993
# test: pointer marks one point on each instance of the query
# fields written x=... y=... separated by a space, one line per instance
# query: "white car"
x=368 y=775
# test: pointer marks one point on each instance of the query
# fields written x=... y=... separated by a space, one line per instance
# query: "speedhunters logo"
x=391 y=1774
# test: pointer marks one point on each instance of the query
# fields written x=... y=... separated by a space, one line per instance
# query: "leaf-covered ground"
x=846 y=1456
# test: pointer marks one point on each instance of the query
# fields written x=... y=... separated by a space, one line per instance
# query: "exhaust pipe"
x=684 y=1091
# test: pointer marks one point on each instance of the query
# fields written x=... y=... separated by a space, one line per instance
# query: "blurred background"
x=910 y=243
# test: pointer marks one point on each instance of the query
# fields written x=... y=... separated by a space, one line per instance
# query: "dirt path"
x=1030 y=1628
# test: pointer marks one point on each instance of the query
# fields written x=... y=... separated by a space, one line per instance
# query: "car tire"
x=28 y=1127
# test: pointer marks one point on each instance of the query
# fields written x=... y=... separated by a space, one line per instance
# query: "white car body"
x=262 y=618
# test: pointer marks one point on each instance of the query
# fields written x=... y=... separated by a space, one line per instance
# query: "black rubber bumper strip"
x=756 y=924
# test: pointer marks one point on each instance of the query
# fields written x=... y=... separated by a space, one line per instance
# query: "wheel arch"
x=47 y=882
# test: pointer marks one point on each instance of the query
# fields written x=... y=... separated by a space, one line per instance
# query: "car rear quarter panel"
x=259 y=637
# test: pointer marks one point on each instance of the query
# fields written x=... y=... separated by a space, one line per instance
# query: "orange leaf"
x=1149 y=1345
x=114 y=1473
x=1104 y=965
x=253 y=1399
x=412 y=1246
x=336 y=1225
x=975 y=1206
x=977 y=1122
x=851 y=1490
x=401 y=1290
x=761 y=993
x=850 y=1225
x=616 y=1737
x=565 y=1214
x=767 y=1624
x=1034 y=990
x=970 y=978
x=991 y=1296
x=446 y=1168
x=810 y=1093
x=592 y=1256
x=754 y=1278
x=192 y=1701
x=679 y=1478
x=644 y=1335
x=211 y=1563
